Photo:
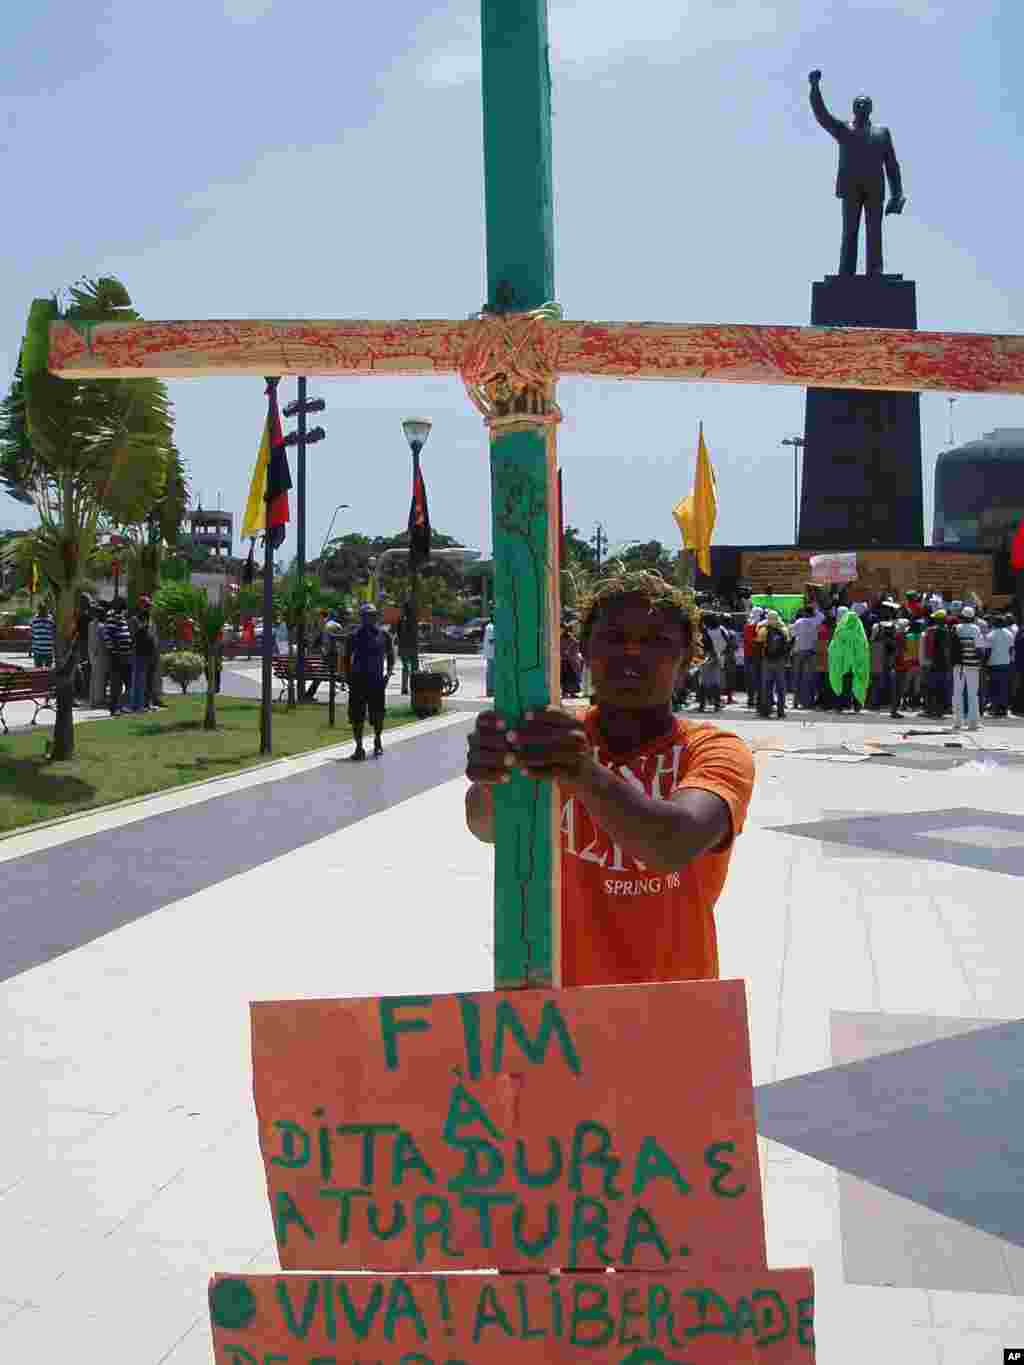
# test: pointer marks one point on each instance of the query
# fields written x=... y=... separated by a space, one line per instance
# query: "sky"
x=299 y=158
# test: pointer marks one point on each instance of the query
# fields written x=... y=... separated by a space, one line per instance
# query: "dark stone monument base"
x=862 y=450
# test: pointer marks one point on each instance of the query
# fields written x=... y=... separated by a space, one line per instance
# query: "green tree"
x=578 y=551
x=85 y=454
x=297 y=605
x=345 y=566
x=650 y=555
x=176 y=602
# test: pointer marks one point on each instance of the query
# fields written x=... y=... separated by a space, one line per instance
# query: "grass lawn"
x=134 y=755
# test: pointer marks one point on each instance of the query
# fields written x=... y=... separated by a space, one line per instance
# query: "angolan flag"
x=268 y=492
x=1017 y=550
x=279 y=478
x=419 y=518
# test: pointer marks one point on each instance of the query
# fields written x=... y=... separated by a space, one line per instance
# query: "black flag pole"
x=268 y=604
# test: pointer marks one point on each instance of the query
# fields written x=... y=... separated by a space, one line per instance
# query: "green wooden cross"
x=511 y=362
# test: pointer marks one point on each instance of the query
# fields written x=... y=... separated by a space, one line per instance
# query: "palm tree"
x=176 y=602
x=296 y=606
x=85 y=454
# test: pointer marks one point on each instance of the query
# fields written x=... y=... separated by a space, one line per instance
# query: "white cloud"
x=587 y=37
x=596 y=35
x=247 y=11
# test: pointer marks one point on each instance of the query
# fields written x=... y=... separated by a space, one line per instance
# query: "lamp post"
x=416 y=429
x=341 y=507
x=797 y=442
x=300 y=408
x=599 y=540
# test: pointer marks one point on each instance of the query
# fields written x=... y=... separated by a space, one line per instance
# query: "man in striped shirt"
x=43 y=636
x=121 y=646
x=968 y=647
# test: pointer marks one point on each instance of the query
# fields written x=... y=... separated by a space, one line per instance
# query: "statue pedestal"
x=862 y=450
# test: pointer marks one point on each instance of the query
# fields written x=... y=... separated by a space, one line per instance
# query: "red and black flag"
x=279 y=478
x=561 y=525
x=1017 y=550
x=419 y=518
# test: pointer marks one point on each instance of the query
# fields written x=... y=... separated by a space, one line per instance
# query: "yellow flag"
x=255 y=518
x=696 y=515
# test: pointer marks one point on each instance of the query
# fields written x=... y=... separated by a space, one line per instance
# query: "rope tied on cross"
x=509 y=366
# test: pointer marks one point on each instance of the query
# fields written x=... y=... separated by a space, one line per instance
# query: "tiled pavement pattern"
x=872 y=909
x=989 y=840
x=889 y=1240
x=929 y=1122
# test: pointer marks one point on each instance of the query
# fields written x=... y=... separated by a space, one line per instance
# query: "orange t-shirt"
x=621 y=923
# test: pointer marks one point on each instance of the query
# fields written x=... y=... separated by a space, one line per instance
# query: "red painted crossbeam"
x=817 y=357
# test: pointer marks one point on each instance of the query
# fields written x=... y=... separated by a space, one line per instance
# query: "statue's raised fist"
x=814 y=77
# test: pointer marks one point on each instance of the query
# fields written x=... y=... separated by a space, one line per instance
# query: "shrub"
x=184 y=667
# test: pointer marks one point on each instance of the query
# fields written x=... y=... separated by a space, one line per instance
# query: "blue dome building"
x=979 y=491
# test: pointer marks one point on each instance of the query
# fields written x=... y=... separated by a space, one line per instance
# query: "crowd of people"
x=914 y=653
x=118 y=654
x=917 y=654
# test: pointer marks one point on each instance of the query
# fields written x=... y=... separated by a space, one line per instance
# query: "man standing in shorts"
x=369 y=664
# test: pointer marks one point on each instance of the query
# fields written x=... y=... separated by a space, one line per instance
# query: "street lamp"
x=341 y=507
x=416 y=429
x=599 y=540
x=797 y=442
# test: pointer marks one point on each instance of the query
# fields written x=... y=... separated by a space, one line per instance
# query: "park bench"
x=316 y=670
x=26 y=684
x=241 y=649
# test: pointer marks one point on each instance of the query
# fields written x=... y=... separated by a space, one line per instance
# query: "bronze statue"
x=866 y=157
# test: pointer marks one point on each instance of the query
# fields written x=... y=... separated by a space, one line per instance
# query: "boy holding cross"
x=651 y=803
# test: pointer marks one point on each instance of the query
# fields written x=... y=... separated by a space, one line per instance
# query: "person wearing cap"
x=774 y=639
x=902 y=658
x=968 y=651
x=142 y=656
x=752 y=656
x=937 y=656
x=369 y=664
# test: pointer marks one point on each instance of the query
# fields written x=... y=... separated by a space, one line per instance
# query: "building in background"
x=211 y=531
x=979 y=492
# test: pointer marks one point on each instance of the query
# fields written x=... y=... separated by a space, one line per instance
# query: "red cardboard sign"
x=608 y=1126
x=731 y=1318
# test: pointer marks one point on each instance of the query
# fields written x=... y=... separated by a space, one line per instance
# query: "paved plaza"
x=874 y=910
